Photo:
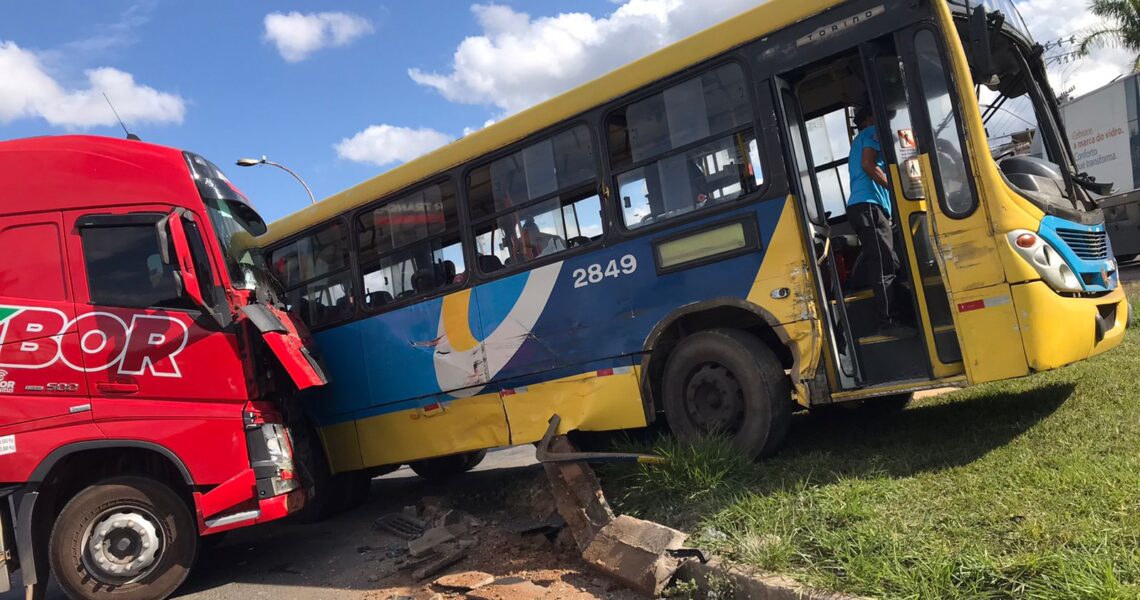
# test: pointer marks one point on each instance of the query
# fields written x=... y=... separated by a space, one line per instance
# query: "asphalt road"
x=301 y=562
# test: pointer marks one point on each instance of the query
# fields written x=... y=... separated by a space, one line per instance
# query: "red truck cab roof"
x=84 y=171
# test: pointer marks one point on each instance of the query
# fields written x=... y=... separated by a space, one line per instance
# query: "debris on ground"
x=401 y=525
x=537 y=555
x=637 y=553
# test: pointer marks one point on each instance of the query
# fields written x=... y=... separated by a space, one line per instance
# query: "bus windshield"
x=1023 y=125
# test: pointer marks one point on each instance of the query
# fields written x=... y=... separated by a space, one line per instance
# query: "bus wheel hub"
x=122 y=546
x=715 y=399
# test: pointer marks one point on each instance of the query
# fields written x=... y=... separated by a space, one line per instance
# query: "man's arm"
x=871 y=167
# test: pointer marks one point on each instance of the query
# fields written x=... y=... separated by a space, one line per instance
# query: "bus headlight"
x=1045 y=260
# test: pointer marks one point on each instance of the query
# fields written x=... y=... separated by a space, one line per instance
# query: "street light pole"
x=250 y=162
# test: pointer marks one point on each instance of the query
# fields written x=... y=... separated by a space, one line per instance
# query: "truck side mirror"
x=172 y=234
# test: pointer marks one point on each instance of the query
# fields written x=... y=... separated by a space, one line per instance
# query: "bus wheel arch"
x=726 y=313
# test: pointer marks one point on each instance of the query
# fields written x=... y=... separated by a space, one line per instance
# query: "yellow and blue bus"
x=670 y=241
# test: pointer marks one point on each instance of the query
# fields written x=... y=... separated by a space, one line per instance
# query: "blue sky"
x=217 y=79
x=241 y=97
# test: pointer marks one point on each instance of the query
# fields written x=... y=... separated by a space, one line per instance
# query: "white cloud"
x=519 y=61
x=469 y=130
x=384 y=145
x=298 y=35
x=28 y=91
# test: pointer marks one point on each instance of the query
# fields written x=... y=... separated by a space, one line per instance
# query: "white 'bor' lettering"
x=148 y=345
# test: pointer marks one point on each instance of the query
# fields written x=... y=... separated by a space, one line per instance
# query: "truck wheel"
x=446 y=467
x=727 y=382
x=128 y=538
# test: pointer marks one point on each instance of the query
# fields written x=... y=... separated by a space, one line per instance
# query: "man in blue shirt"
x=869 y=212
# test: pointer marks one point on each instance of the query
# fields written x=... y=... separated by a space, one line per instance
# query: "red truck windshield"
x=234 y=220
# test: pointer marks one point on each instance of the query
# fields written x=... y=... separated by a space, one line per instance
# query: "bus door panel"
x=147 y=347
x=887 y=89
x=979 y=298
x=843 y=359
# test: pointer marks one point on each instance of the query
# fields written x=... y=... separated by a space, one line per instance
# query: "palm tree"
x=1121 y=27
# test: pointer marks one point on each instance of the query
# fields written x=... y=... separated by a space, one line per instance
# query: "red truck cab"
x=146 y=366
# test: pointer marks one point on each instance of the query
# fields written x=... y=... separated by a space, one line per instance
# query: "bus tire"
x=113 y=526
x=325 y=492
x=727 y=382
x=358 y=487
x=446 y=467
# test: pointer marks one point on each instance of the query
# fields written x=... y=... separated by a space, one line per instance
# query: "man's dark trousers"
x=873 y=227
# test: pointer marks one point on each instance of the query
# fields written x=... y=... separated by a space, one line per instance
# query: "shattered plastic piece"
x=400 y=525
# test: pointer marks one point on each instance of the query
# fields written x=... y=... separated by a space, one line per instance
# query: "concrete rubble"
x=572 y=520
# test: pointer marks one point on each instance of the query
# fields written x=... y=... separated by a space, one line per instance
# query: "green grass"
x=1020 y=489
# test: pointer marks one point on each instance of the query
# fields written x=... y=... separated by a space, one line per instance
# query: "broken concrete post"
x=577 y=495
x=636 y=552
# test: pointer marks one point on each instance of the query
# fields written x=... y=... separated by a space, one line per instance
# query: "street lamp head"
x=249 y=162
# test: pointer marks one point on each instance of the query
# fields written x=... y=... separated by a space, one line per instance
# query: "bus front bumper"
x=1058 y=330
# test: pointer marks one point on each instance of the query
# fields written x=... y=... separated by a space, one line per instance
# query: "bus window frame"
x=905 y=45
x=468 y=223
x=350 y=267
x=358 y=263
x=760 y=133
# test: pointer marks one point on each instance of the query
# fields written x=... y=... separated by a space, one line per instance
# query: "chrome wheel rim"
x=122 y=545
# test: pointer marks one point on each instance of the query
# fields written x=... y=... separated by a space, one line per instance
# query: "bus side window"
x=314 y=272
x=410 y=246
x=688 y=147
x=536 y=202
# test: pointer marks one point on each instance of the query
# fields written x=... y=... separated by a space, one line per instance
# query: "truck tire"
x=727 y=382
x=125 y=538
x=447 y=467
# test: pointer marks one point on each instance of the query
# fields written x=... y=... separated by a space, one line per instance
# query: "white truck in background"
x=1104 y=133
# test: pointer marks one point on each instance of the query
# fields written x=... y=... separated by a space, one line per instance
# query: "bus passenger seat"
x=424 y=280
x=489 y=264
x=377 y=299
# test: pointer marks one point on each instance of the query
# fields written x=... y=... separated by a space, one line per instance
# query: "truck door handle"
x=108 y=387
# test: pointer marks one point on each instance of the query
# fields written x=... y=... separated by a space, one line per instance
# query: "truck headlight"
x=1045 y=260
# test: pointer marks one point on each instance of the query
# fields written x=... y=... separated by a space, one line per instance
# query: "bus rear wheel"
x=445 y=467
x=126 y=538
x=726 y=382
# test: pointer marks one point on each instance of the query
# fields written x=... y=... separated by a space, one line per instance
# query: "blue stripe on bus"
x=385 y=363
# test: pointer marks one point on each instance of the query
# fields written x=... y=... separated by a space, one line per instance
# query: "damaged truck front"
x=146 y=367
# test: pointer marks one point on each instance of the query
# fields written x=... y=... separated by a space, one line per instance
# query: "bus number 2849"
x=596 y=273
